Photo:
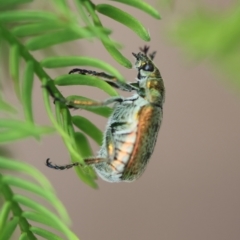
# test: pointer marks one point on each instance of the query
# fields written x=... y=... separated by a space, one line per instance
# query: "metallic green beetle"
x=132 y=129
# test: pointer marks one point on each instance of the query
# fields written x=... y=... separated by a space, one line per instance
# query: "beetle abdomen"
x=132 y=140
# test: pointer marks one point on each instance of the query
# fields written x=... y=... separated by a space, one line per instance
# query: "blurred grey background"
x=190 y=189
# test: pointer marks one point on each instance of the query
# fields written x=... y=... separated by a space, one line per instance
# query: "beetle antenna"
x=135 y=55
x=144 y=49
x=152 y=55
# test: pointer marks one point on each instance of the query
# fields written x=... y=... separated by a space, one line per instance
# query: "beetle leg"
x=111 y=80
x=89 y=103
x=83 y=103
x=88 y=161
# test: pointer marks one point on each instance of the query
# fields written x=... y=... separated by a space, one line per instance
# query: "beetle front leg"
x=111 y=80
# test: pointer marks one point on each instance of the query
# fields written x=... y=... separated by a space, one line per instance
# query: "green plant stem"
x=16 y=210
x=28 y=57
x=43 y=76
x=90 y=7
x=45 y=79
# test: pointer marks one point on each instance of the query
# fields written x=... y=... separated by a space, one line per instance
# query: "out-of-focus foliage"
x=13 y=203
x=214 y=35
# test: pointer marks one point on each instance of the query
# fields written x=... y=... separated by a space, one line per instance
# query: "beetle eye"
x=148 y=67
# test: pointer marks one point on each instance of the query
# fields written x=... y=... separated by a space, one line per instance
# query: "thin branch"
x=28 y=57
x=16 y=210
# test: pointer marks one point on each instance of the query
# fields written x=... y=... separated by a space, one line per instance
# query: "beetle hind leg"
x=88 y=161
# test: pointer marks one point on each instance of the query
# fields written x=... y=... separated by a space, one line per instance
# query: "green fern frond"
x=124 y=18
x=67 y=80
x=89 y=128
x=24 y=31
x=66 y=28
x=71 y=61
x=142 y=6
x=41 y=27
x=37 y=213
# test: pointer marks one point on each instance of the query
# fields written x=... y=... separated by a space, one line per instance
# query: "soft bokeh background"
x=190 y=189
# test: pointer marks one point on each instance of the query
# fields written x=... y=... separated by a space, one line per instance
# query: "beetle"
x=133 y=126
